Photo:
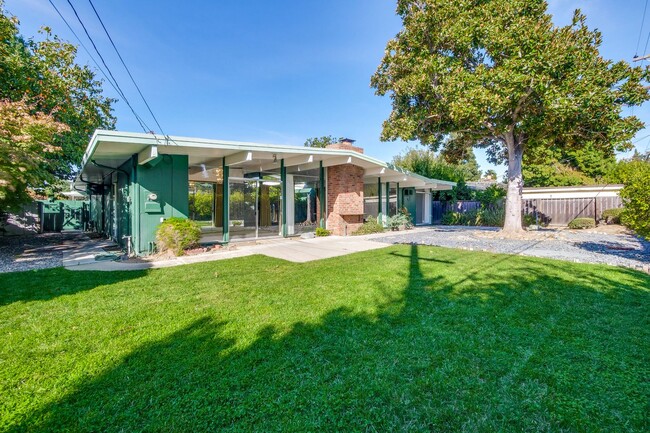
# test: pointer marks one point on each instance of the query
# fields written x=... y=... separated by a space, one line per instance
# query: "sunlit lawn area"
x=399 y=339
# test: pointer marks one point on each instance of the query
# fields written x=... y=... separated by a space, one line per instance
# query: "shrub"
x=491 y=217
x=322 y=232
x=456 y=219
x=612 y=216
x=408 y=218
x=636 y=195
x=369 y=227
x=403 y=218
x=493 y=195
x=177 y=234
x=582 y=223
x=527 y=219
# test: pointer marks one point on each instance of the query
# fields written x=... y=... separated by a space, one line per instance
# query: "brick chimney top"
x=345 y=144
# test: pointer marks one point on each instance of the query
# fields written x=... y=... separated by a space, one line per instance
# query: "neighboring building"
x=238 y=190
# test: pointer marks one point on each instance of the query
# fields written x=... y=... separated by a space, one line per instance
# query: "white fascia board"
x=375 y=171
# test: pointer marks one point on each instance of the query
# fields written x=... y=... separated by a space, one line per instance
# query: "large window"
x=201 y=206
x=370 y=199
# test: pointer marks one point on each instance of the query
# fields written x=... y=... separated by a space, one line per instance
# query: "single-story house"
x=238 y=190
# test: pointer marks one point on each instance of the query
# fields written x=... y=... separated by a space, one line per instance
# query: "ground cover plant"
x=404 y=338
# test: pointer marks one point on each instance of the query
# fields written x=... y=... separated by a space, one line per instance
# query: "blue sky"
x=275 y=72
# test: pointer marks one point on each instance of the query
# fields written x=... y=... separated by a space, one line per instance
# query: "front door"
x=408 y=201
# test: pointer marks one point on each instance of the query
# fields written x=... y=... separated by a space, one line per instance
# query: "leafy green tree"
x=499 y=74
x=44 y=77
x=490 y=174
x=200 y=204
x=557 y=166
x=426 y=163
x=634 y=173
x=25 y=148
x=323 y=141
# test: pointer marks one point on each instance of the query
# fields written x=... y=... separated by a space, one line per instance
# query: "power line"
x=641 y=29
x=119 y=89
x=83 y=46
x=639 y=139
x=127 y=69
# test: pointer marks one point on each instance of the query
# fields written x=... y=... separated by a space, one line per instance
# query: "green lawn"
x=399 y=339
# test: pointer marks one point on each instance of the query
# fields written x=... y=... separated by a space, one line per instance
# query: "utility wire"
x=99 y=68
x=641 y=29
x=119 y=90
x=127 y=69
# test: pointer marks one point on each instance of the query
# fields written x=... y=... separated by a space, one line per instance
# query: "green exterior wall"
x=167 y=177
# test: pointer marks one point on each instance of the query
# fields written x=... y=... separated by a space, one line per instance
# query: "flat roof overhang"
x=113 y=148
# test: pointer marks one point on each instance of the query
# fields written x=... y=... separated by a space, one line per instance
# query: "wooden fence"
x=439 y=208
x=552 y=211
x=560 y=211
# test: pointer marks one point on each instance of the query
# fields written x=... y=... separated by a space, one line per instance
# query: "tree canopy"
x=499 y=74
x=427 y=163
x=323 y=141
x=44 y=87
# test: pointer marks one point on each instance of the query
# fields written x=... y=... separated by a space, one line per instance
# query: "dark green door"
x=408 y=201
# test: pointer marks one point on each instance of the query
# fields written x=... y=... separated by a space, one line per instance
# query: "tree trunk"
x=512 y=222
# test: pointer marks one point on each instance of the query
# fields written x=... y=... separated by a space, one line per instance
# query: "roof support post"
x=387 y=199
x=399 y=197
x=225 y=208
x=321 y=193
x=283 y=179
x=379 y=212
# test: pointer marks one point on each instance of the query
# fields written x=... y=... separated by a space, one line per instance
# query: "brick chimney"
x=345 y=144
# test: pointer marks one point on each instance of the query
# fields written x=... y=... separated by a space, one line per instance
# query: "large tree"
x=499 y=74
x=41 y=79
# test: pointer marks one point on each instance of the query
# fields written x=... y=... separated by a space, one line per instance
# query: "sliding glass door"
x=255 y=207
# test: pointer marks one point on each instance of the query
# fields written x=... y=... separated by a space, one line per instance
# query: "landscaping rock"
x=619 y=249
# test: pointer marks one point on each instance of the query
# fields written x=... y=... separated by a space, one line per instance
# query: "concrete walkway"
x=293 y=250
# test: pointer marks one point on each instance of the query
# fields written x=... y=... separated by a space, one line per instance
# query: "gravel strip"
x=576 y=246
x=24 y=253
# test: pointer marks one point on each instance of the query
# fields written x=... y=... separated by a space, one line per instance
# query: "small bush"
x=612 y=216
x=322 y=232
x=177 y=234
x=402 y=219
x=582 y=223
x=408 y=218
x=459 y=219
x=370 y=227
x=488 y=217
x=491 y=217
x=527 y=219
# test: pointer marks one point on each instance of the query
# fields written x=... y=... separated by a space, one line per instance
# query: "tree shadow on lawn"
x=639 y=250
x=25 y=287
x=535 y=349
